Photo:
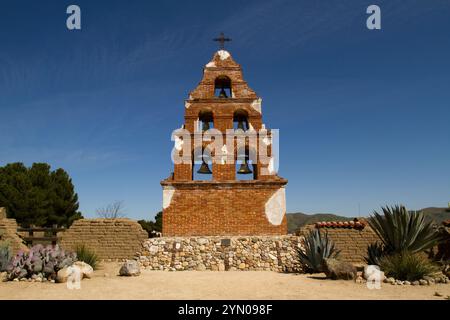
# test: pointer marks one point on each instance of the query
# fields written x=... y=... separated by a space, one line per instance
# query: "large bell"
x=205 y=125
x=222 y=93
x=241 y=125
x=244 y=168
x=204 y=169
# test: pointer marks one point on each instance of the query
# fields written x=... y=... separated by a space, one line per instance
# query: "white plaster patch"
x=187 y=105
x=223 y=54
x=178 y=143
x=256 y=104
x=276 y=207
x=271 y=166
x=168 y=193
x=267 y=141
x=211 y=64
x=223 y=158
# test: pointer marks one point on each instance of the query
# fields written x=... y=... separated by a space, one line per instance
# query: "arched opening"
x=245 y=168
x=240 y=120
x=201 y=165
x=206 y=120
x=222 y=87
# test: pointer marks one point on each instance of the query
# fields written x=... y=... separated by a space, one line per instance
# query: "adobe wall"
x=352 y=242
x=8 y=232
x=208 y=208
x=110 y=239
x=276 y=253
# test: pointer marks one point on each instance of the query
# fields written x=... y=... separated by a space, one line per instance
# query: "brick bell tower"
x=235 y=195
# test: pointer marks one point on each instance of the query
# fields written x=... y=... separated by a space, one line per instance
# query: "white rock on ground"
x=85 y=269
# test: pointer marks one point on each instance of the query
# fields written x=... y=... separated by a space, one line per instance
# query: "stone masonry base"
x=270 y=253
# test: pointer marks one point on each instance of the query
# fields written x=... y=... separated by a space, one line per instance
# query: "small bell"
x=204 y=169
x=223 y=94
x=244 y=168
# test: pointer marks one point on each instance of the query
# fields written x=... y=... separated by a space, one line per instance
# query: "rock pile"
x=426 y=281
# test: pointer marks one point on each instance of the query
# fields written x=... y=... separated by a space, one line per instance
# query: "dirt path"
x=214 y=285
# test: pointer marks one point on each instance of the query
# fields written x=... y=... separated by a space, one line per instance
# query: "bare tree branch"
x=112 y=211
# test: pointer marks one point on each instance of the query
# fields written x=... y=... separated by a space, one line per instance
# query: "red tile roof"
x=446 y=223
x=354 y=224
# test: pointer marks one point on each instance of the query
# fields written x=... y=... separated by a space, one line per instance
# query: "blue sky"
x=363 y=115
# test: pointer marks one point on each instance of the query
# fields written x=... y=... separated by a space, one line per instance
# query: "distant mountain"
x=436 y=214
x=297 y=220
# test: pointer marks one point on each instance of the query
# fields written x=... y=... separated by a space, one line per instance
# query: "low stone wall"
x=352 y=242
x=8 y=232
x=110 y=239
x=271 y=253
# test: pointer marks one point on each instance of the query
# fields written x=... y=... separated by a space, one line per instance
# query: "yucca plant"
x=401 y=231
x=317 y=248
x=87 y=255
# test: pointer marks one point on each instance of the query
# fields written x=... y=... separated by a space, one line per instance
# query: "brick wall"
x=208 y=208
x=352 y=242
x=114 y=239
x=8 y=232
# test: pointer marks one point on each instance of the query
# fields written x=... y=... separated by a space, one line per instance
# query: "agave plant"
x=401 y=231
x=317 y=248
x=375 y=251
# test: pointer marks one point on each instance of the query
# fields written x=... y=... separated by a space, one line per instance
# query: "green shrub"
x=407 y=266
x=375 y=251
x=402 y=231
x=317 y=248
x=87 y=255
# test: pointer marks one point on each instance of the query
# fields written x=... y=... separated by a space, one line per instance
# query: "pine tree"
x=38 y=195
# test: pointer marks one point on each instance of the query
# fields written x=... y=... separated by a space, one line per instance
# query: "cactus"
x=46 y=260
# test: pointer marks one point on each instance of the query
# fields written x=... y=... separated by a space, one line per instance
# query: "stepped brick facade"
x=225 y=204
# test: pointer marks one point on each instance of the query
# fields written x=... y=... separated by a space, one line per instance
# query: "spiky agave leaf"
x=375 y=251
x=317 y=247
x=400 y=230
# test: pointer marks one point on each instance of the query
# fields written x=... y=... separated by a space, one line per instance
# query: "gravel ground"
x=215 y=285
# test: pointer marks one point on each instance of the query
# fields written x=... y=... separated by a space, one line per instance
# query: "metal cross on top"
x=221 y=39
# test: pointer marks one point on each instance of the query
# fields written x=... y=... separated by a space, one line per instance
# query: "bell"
x=244 y=169
x=205 y=126
x=241 y=125
x=223 y=94
x=204 y=169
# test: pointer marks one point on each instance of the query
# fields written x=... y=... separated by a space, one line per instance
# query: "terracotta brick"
x=223 y=206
